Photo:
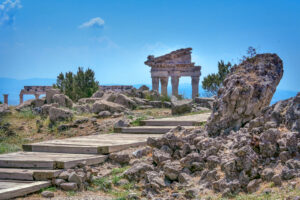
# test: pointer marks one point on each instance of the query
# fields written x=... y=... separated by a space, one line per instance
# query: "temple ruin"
x=175 y=64
x=33 y=90
x=5 y=97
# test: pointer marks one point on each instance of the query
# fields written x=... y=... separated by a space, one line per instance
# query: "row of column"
x=37 y=96
x=175 y=84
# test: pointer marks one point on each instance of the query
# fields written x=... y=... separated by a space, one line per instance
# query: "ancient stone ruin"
x=33 y=90
x=175 y=64
x=5 y=96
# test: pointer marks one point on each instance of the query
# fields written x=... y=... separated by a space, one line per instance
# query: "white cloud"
x=96 y=22
x=7 y=11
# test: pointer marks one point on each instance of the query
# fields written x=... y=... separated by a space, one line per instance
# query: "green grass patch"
x=26 y=114
x=115 y=179
x=137 y=122
x=7 y=148
x=51 y=188
x=71 y=193
x=103 y=184
x=116 y=171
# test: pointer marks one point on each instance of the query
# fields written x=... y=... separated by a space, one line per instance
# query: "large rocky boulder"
x=103 y=105
x=62 y=100
x=98 y=94
x=246 y=91
x=4 y=109
x=180 y=106
x=50 y=93
x=125 y=101
x=59 y=114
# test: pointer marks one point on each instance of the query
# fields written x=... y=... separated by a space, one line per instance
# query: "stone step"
x=92 y=144
x=149 y=129
x=28 y=174
x=11 y=188
x=45 y=160
x=189 y=120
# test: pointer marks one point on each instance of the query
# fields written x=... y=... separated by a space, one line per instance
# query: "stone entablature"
x=175 y=64
x=34 y=90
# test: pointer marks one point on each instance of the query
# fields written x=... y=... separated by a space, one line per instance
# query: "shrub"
x=79 y=85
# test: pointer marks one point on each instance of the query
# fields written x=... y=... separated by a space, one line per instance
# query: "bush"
x=79 y=85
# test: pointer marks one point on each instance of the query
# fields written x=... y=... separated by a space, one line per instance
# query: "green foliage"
x=213 y=82
x=137 y=122
x=51 y=188
x=120 y=170
x=79 y=85
x=1 y=102
x=6 y=148
x=164 y=98
x=102 y=184
x=26 y=114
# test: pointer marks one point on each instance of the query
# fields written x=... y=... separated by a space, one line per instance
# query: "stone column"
x=164 y=85
x=155 y=83
x=21 y=98
x=175 y=83
x=5 y=98
x=195 y=86
x=36 y=96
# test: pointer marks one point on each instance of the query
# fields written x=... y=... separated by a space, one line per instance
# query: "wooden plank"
x=13 y=189
x=93 y=144
x=45 y=160
x=189 y=120
x=27 y=174
x=150 y=129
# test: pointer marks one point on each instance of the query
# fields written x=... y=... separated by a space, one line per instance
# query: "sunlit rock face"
x=246 y=91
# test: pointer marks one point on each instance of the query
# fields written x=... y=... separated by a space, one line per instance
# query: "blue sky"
x=39 y=39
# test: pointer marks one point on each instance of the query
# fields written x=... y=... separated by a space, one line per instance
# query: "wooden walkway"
x=22 y=173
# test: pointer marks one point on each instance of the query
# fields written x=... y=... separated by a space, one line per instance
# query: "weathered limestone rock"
x=180 y=106
x=98 y=94
x=144 y=88
x=50 y=93
x=103 y=105
x=62 y=100
x=125 y=101
x=46 y=108
x=4 y=109
x=69 y=186
x=85 y=108
x=204 y=102
x=246 y=90
x=59 y=114
x=47 y=194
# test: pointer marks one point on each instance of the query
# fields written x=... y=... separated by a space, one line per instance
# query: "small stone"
x=64 y=175
x=276 y=179
x=267 y=174
x=191 y=193
x=133 y=196
x=58 y=181
x=121 y=158
x=253 y=185
x=69 y=186
x=47 y=194
x=75 y=178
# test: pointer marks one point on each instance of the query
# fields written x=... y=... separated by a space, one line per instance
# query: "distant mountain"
x=14 y=86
